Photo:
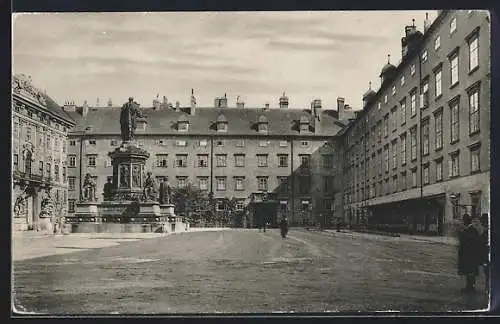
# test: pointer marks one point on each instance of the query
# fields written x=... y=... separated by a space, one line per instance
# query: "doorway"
x=265 y=212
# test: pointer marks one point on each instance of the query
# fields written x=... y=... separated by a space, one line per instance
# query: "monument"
x=131 y=201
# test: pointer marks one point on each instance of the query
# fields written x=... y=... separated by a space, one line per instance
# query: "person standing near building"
x=485 y=251
x=469 y=254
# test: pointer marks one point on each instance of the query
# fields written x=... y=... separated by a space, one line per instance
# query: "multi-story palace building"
x=289 y=156
x=39 y=133
x=418 y=153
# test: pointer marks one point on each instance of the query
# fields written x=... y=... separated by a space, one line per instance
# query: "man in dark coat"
x=469 y=254
x=284 y=226
x=485 y=260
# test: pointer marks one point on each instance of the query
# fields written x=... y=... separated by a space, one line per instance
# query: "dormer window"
x=304 y=124
x=221 y=123
x=304 y=127
x=182 y=124
x=263 y=124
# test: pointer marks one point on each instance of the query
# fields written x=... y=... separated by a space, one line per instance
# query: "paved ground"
x=241 y=271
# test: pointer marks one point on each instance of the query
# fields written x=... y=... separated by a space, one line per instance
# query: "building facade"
x=39 y=134
x=418 y=154
x=281 y=161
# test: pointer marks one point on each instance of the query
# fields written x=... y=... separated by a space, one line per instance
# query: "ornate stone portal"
x=130 y=200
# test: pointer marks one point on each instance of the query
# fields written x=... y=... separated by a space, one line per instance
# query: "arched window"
x=27 y=162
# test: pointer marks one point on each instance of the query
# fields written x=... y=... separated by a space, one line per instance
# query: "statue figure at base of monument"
x=128 y=119
x=47 y=206
x=165 y=192
x=108 y=190
x=149 y=192
x=89 y=188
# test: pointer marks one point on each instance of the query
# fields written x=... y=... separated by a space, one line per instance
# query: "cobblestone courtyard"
x=239 y=271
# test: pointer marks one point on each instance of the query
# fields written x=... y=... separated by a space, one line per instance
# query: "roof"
x=22 y=88
x=241 y=121
x=387 y=68
x=183 y=118
x=221 y=118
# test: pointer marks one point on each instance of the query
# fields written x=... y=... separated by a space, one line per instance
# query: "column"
x=36 y=206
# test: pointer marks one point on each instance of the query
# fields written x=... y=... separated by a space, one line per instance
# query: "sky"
x=255 y=55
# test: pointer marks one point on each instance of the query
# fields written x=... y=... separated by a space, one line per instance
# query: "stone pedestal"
x=85 y=212
x=45 y=225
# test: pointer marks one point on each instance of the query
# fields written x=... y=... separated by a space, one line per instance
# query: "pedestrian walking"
x=469 y=254
x=338 y=224
x=284 y=227
x=485 y=260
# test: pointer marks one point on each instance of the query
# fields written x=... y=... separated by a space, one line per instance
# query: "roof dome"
x=388 y=67
x=262 y=119
x=221 y=119
x=369 y=92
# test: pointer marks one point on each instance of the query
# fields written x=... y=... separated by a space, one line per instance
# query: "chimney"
x=156 y=104
x=110 y=103
x=85 y=108
x=177 y=106
x=193 y=103
x=97 y=104
x=341 y=108
x=239 y=104
x=266 y=107
x=69 y=106
x=220 y=102
x=427 y=22
x=284 y=101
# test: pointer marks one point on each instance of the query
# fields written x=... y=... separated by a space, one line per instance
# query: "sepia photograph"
x=250 y=162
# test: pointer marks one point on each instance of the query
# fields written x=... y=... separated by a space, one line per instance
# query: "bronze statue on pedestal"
x=89 y=188
x=128 y=119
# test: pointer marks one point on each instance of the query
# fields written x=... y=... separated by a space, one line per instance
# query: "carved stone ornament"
x=29 y=148
x=21 y=84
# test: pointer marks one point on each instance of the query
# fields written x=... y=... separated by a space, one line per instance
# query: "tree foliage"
x=192 y=203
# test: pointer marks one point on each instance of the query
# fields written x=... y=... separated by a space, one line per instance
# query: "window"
x=474 y=111
x=40 y=165
x=473 y=53
x=220 y=205
x=438 y=125
x=71 y=205
x=425 y=136
x=438 y=83
x=305 y=205
x=454 y=122
x=395 y=183
x=283 y=143
x=160 y=142
x=222 y=127
x=386 y=125
x=424 y=56
x=181 y=182
x=220 y=160
x=386 y=158
x=240 y=143
x=161 y=160
x=453 y=25
x=475 y=201
x=414 y=178
x=182 y=126
x=304 y=184
x=203 y=183
x=114 y=142
x=239 y=160
x=16 y=162
x=454 y=69
x=379 y=105
x=263 y=143
x=181 y=160
x=305 y=143
x=393 y=91
x=425 y=174
x=203 y=143
x=64 y=173
x=437 y=43
x=72 y=161
x=49 y=170
x=71 y=183
x=385 y=99
x=262 y=127
x=262 y=183
x=412 y=69
x=283 y=184
x=92 y=142
x=413 y=103
x=72 y=143
x=283 y=160
x=454 y=167
x=239 y=183
x=262 y=160
x=305 y=161
x=91 y=160
x=56 y=172
x=202 y=161
x=240 y=204
x=48 y=140
x=403 y=180
x=394 y=155
x=327 y=205
x=181 y=143
x=402 y=80
x=439 y=170
x=328 y=184
x=394 y=120
x=425 y=94
x=413 y=143
x=403 y=111
x=327 y=161
x=474 y=160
